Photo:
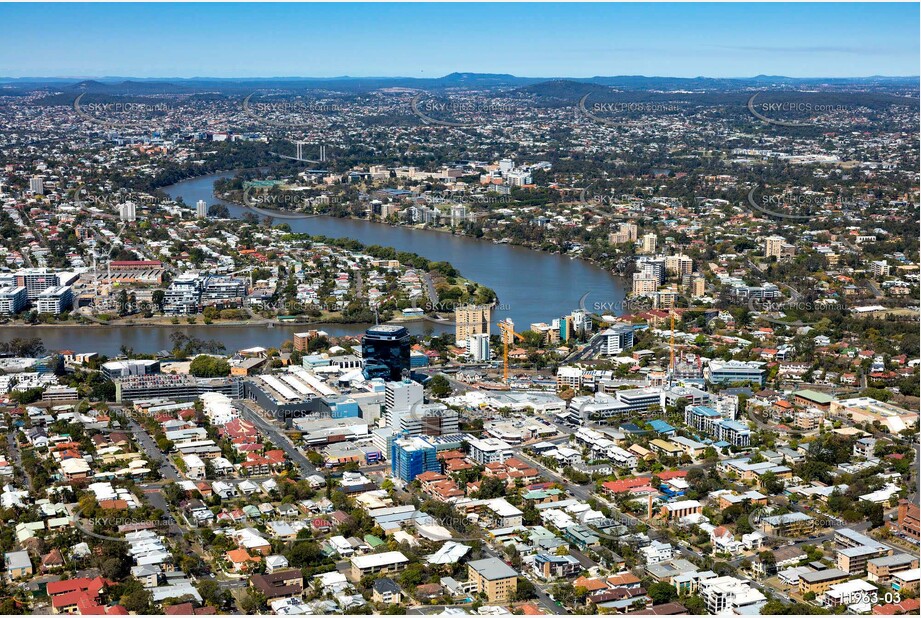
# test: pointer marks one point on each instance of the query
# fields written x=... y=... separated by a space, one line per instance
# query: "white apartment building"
x=616 y=339
x=478 y=348
x=728 y=595
x=195 y=467
x=55 y=300
x=489 y=450
x=570 y=377
x=399 y=399
x=657 y=552
x=727 y=406
x=880 y=268
x=35 y=280
x=13 y=299
x=127 y=211
x=648 y=243
x=37 y=185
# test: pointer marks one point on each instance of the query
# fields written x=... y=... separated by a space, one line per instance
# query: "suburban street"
x=166 y=467
x=278 y=438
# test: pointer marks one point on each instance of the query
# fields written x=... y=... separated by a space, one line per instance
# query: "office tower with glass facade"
x=385 y=350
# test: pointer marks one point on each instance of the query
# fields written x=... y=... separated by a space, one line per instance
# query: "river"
x=532 y=286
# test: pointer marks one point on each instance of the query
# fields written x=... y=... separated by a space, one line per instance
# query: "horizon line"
x=350 y=77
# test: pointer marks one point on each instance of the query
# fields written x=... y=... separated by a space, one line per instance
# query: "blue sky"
x=430 y=40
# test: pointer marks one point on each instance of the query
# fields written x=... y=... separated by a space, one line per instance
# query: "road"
x=26 y=254
x=591 y=349
x=154 y=495
x=459 y=387
x=167 y=470
x=582 y=492
x=278 y=438
x=540 y=589
x=153 y=491
x=915 y=484
x=17 y=457
x=542 y=596
x=430 y=289
x=871 y=287
x=462 y=387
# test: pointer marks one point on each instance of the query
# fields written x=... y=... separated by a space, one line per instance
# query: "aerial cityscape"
x=485 y=309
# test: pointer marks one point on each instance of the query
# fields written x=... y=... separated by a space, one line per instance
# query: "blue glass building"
x=410 y=457
x=385 y=350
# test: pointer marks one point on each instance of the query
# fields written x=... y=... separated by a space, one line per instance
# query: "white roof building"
x=75 y=466
x=449 y=553
x=378 y=561
x=856 y=594
x=682 y=505
x=729 y=595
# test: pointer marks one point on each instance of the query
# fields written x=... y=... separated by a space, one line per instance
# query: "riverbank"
x=287 y=215
x=533 y=285
x=160 y=323
x=110 y=339
x=170 y=324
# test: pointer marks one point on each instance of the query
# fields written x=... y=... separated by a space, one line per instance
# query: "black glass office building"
x=385 y=350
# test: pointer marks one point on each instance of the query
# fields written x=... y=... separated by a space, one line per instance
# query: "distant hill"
x=128 y=88
x=545 y=87
x=559 y=92
x=564 y=90
x=482 y=80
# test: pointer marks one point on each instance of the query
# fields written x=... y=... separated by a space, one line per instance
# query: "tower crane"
x=671 y=344
x=507 y=328
x=672 y=312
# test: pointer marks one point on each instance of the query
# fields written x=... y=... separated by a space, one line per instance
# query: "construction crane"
x=507 y=328
x=671 y=344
